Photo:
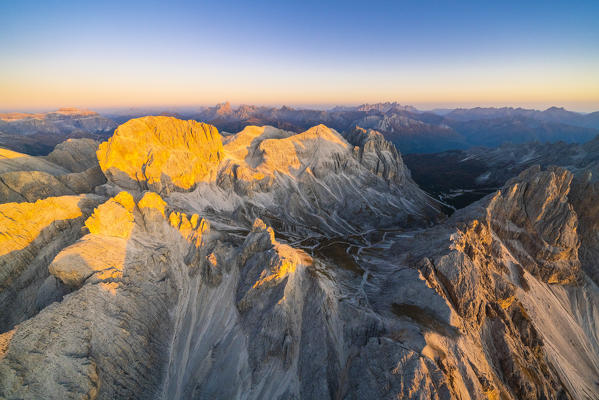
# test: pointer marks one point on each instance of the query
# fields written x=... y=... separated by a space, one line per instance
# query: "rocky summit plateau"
x=173 y=261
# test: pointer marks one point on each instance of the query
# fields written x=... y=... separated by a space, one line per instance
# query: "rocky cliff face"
x=283 y=265
x=377 y=154
x=160 y=154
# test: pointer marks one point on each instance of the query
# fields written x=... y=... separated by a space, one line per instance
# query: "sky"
x=431 y=54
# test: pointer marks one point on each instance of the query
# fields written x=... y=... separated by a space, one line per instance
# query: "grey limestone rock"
x=306 y=266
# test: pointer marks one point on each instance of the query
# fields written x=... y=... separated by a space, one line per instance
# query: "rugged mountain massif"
x=284 y=265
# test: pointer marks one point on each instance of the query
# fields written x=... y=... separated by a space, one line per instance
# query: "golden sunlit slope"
x=23 y=222
x=161 y=153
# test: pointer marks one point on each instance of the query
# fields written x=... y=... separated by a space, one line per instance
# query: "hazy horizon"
x=424 y=107
x=430 y=54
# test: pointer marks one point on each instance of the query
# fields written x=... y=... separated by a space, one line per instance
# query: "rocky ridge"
x=72 y=168
x=313 y=173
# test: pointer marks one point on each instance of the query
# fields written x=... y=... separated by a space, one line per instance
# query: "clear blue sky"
x=428 y=53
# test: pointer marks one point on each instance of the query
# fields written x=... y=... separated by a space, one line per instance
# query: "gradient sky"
x=176 y=53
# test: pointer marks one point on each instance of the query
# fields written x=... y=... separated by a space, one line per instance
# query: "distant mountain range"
x=554 y=114
x=411 y=130
x=37 y=134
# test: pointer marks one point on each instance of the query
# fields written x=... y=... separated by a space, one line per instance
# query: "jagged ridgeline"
x=176 y=262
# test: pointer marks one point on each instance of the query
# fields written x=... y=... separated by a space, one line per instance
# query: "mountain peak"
x=555 y=109
x=385 y=107
x=223 y=108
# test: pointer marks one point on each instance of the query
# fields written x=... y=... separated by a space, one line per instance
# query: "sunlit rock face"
x=161 y=154
x=537 y=202
x=513 y=274
x=31 y=235
x=295 y=266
